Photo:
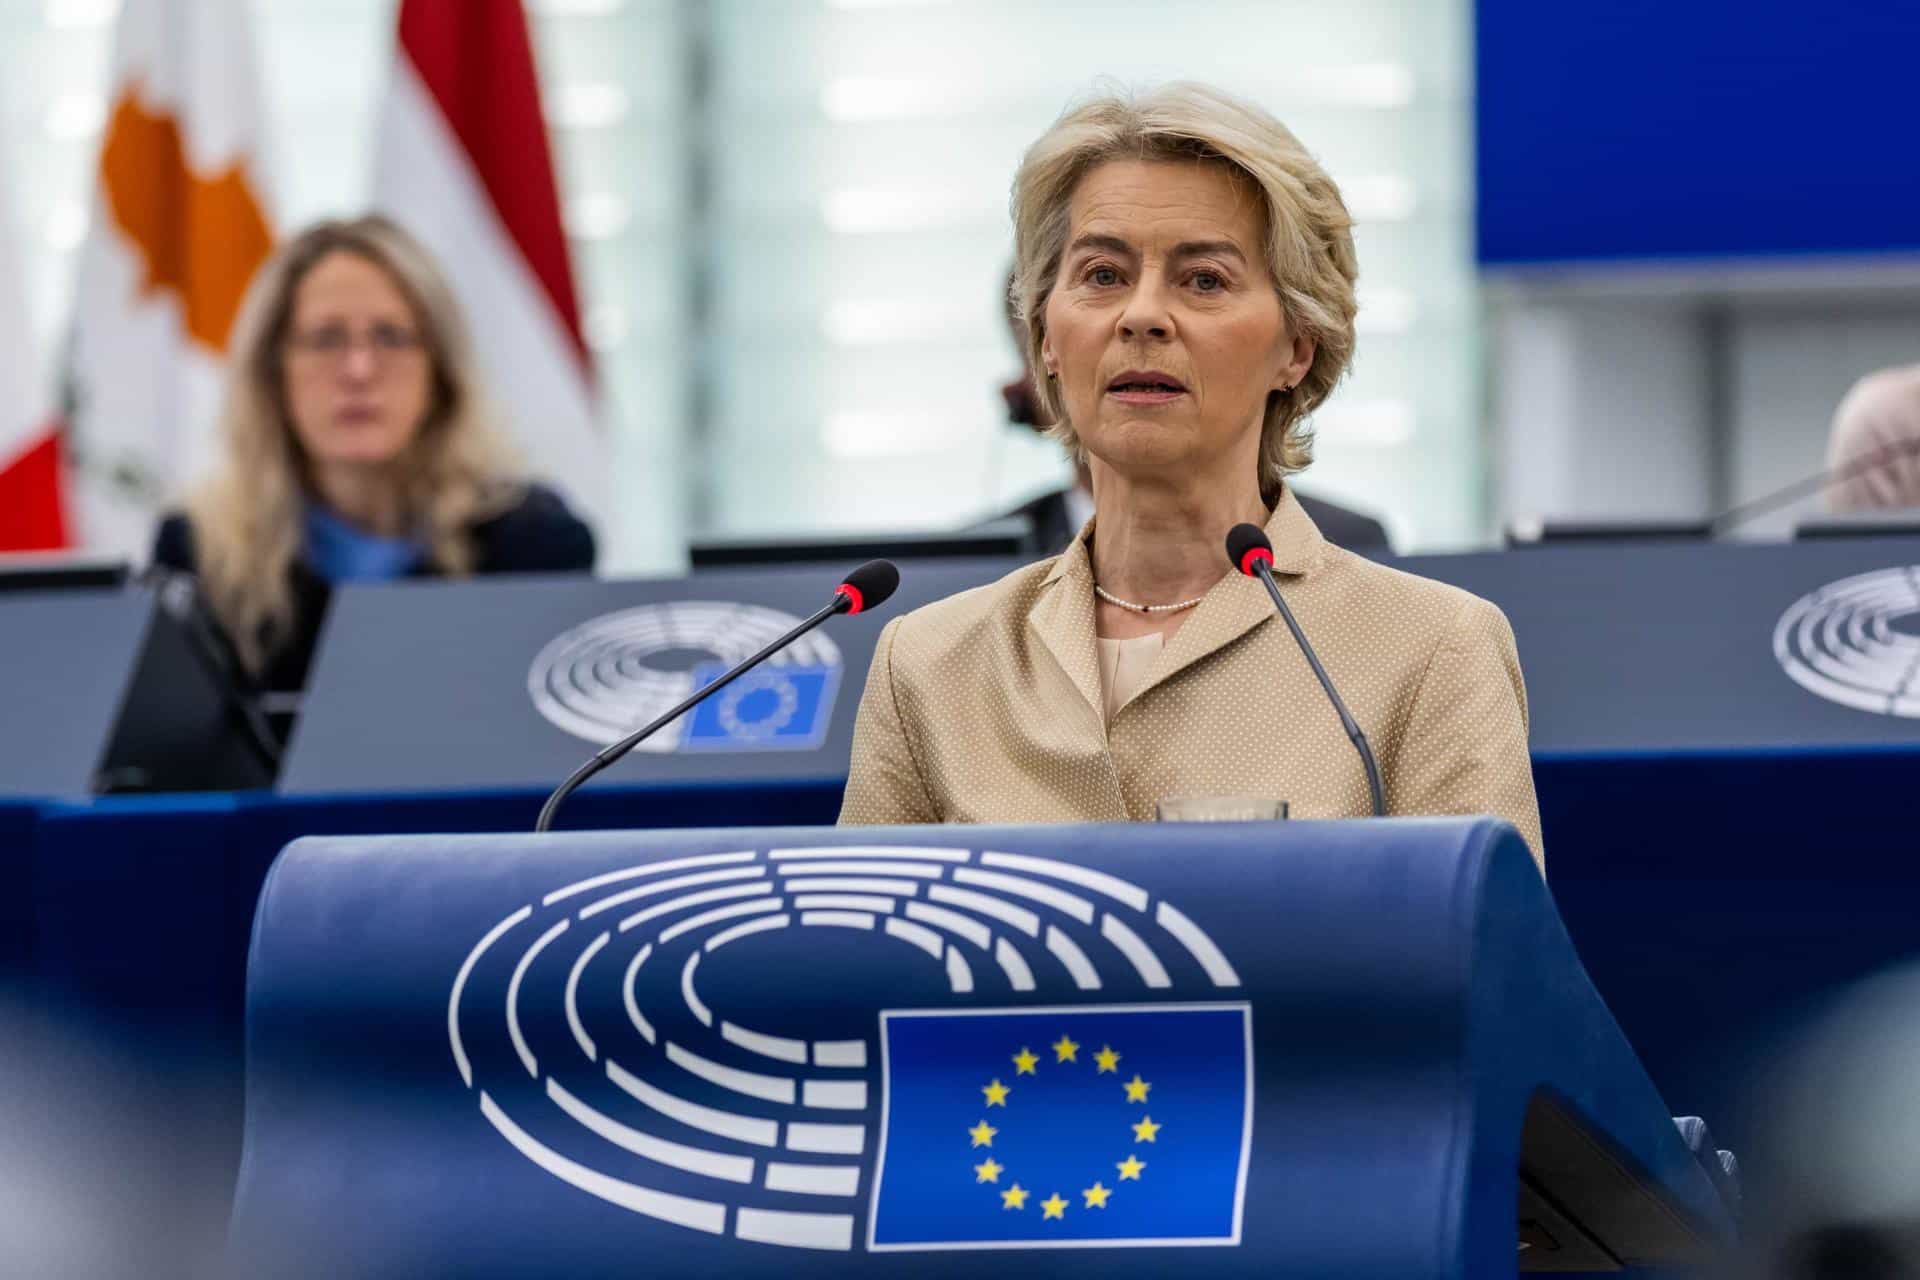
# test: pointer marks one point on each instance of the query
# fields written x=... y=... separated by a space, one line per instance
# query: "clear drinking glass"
x=1219 y=809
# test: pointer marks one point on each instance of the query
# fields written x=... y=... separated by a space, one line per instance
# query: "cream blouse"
x=1124 y=665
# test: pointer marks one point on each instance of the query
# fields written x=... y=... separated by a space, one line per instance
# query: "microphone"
x=865 y=588
x=1859 y=465
x=1252 y=554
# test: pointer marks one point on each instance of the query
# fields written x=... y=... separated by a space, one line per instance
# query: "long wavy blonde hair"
x=247 y=520
x=1309 y=233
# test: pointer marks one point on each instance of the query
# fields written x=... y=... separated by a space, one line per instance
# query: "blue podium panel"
x=65 y=662
x=1708 y=647
x=18 y=823
x=111 y=689
x=512 y=682
x=1301 y=1049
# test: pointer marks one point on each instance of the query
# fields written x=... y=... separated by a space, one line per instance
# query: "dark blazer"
x=539 y=535
x=1053 y=528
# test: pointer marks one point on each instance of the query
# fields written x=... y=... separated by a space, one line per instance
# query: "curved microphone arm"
x=1863 y=464
x=1251 y=552
x=1264 y=571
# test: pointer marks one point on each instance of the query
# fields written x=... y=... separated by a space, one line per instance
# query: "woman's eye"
x=1103 y=276
x=1207 y=281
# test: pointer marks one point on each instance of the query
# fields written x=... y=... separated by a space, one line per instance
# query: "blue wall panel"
x=1696 y=129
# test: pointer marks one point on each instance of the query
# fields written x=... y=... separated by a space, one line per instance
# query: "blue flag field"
x=776 y=708
x=1097 y=1125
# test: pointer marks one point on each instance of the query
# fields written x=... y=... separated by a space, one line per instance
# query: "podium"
x=1305 y=1049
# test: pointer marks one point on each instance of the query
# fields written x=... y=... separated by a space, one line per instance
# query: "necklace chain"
x=1111 y=598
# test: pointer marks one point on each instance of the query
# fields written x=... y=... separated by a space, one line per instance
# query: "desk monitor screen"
x=1893 y=522
x=1010 y=537
x=1532 y=533
x=56 y=571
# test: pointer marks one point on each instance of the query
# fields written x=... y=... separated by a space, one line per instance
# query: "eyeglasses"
x=331 y=343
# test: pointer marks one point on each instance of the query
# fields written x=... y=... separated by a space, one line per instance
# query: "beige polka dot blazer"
x=987 y=707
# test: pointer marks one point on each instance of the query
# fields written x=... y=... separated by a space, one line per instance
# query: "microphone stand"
x=1261 y=569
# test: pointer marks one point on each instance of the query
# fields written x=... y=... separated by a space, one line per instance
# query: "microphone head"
x=868 y=586
x=1247 y=544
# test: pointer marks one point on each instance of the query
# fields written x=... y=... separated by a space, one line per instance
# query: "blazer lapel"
x=1236 y=604
x=1063 y=619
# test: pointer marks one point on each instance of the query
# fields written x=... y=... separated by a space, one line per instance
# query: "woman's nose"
x=1145 y=315
x=359 y=364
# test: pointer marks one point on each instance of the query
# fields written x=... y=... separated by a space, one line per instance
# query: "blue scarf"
x=342 y=553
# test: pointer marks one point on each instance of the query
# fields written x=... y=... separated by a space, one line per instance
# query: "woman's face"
x=1163 y=324
x=358 y=380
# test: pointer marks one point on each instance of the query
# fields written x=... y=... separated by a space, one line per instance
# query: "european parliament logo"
x=608 y=676
x=1064 y=1127
x=854 y=1047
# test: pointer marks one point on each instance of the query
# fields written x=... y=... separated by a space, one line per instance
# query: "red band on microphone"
x=1253 y=555
x=854 y=598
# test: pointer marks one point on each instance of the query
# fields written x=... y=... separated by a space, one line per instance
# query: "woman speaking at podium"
x=358 y=447
x=1185 y=274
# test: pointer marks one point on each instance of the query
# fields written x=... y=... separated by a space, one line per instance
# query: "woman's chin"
x=1138 y=443
x=368 y=454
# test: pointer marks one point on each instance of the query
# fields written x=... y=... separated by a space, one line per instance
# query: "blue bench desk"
x=1752 y=884
x=1302 y=1050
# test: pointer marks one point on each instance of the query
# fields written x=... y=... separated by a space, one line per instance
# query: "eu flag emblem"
x=1066 y=1127
x=784 y=708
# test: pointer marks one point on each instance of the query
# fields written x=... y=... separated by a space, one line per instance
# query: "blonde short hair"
x=1309 y=233
x=248 y=519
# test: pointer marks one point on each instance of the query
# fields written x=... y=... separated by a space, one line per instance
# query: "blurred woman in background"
x=359 y=447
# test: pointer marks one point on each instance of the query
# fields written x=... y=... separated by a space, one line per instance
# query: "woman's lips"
x=1130 y=395
x=1145 y=386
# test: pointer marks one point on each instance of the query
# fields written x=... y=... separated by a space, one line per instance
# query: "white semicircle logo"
x=1856 y=642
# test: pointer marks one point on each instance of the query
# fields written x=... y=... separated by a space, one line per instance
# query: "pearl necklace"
x=1110 y=598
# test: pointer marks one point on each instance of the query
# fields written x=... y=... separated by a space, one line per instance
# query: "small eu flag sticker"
x=1078 y=1127
x=773 y=708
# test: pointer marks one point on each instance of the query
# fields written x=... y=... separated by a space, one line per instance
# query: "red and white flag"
x=178 y=228
x=32 y=512
x=464 y=164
